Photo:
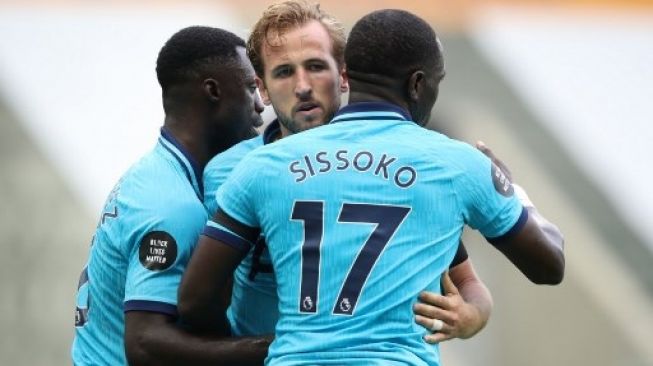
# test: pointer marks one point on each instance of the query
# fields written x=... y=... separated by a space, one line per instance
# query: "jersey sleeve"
x=159 y=257
x=235 y=222
x=490 y=205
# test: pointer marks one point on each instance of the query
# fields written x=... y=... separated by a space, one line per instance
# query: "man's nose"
x=303 y=88
x=258 y=103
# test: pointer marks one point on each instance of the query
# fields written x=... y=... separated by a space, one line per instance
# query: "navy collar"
x=362 y=110
x=185 y=160
x=272 y=132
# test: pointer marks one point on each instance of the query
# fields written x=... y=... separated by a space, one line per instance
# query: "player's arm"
x=535 y=246
x=156 y=339
x=152 y=334
x=222 y=246
x=536 y=249
x=465 y=307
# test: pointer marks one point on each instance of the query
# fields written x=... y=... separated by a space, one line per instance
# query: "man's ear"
x=212 y=89
x=416 y=85
x=263 y=91
x=344 y=80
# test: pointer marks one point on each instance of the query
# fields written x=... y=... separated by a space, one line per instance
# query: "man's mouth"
x=306 y=107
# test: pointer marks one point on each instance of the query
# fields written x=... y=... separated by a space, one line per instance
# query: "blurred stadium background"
x=561 y=90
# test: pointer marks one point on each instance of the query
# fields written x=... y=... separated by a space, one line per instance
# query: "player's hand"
x=459 y=319
x=498 y=162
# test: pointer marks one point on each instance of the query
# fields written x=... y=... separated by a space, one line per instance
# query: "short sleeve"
x=489 y=203
x=162 y=249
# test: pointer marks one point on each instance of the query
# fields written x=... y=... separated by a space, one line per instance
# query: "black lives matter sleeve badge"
x=501 y=182
x=157 y=251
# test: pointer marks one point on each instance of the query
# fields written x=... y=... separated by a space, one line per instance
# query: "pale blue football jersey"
x=360 y=216
x=253 y=309
x=150 y=224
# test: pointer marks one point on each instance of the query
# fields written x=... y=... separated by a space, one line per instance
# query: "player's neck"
x=358 y=97
x=191 y=140
x=374 y=88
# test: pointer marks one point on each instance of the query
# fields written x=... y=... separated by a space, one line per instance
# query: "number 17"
x=387 y=219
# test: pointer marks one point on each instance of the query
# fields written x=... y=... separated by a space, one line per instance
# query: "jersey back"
x=360 y=216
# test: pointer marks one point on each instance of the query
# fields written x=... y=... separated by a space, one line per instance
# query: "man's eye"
x=282 y=72
x=315 y=67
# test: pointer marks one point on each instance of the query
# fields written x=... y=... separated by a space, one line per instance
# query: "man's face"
x=302 y=80
x=241 y=105
x=421 y=110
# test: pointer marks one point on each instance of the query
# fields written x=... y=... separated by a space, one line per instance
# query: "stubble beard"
x=294 y=126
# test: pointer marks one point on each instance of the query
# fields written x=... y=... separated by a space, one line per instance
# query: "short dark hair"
x=189 y=52
x=392 y=43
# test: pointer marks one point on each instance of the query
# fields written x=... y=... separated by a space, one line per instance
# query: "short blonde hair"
x=284 y=16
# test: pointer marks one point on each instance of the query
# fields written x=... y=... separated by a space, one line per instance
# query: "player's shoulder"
x=234 y=154
x=155 y=186
x=267 y=151
x=447 y=151
x=262 y=166
x=221 y=165
x=425 y=139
